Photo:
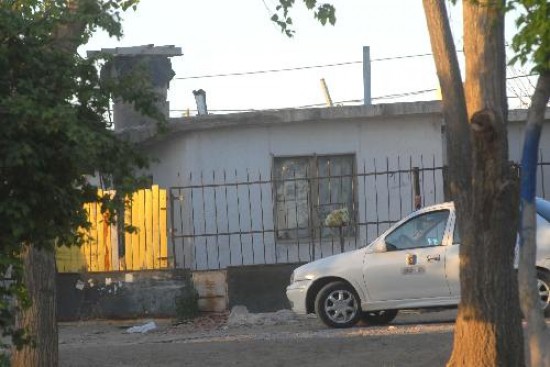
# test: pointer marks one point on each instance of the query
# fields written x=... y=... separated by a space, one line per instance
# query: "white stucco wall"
x=248 y=151
x=253 y=148
x=231 y=151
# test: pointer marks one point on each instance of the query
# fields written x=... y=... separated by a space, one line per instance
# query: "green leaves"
x=310 y=4
x=532 y=41
x=323 y=13
x=326 y=12
x=54 y=130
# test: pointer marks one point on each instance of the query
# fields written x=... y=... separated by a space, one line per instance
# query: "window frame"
x=315 y=224
x=445 y=230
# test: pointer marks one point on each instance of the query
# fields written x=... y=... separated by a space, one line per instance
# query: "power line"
x=520 y=76
x=223 y=110
x=388 y=96
x=383 y=97
x=267 y=71
x=406 y=94
x=517 y=86
x=402 y=57
x=299 y=67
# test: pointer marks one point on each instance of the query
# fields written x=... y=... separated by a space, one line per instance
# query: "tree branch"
x=536 y=332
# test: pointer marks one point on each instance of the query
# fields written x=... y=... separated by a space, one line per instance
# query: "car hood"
x=332 y=265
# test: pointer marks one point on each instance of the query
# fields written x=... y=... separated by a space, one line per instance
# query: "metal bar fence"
x=249 y=219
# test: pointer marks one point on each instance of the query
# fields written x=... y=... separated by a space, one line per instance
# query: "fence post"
x=416 y=188
x=172 y=230
x=446 y=184
x=121 y=232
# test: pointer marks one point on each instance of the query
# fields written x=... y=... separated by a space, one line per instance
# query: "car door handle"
x=433 y=258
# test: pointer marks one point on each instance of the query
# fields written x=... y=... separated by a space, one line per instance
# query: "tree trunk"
x=40 y=318
x=483 y=187
x=488 y=328
x=537 y=335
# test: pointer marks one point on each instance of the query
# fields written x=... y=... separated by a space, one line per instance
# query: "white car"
x=414 y=264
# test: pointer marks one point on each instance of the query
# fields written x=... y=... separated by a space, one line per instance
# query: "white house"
x=256 y=187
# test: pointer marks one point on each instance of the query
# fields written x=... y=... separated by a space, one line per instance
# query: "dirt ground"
x=413 y=339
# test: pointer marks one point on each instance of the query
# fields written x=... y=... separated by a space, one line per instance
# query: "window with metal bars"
x=307 y=189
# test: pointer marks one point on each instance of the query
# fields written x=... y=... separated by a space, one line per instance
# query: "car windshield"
x=543 y=209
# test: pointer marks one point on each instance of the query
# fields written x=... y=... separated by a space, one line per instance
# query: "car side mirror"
x=379 y=247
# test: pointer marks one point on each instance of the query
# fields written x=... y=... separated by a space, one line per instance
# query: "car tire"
x=337 y=305
x=382 y=317
x=543 y=285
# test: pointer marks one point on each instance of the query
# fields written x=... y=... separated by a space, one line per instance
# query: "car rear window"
x=543 y=209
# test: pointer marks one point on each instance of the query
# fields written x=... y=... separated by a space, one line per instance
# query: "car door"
x=413 y=265
x=452 y=260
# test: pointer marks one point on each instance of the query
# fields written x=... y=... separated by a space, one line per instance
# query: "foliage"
x=55 y=133
x=322 y=12
x=11 y=288
x=337 y=218
x=532 y=41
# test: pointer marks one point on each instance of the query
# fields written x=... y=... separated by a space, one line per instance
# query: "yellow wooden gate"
x=144 y=249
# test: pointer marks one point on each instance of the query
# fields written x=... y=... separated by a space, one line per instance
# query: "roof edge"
x=144 y=134
x=149 y=134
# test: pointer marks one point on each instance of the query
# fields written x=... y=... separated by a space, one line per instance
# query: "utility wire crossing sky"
x=240 y=58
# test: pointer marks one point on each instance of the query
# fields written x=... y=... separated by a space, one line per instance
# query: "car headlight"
x=297 y=277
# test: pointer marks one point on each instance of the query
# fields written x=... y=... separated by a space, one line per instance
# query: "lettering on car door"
x=413 y=265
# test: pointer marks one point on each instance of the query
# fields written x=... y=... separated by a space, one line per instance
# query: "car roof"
x=440 y=206
x=542 y=207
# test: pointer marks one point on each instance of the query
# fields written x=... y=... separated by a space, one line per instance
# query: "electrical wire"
x=384 y=97
x=337 y=103
x=267 y=71
x=388 y=96
x=299 y=67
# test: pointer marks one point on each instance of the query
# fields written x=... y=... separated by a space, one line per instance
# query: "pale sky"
x=219 y=37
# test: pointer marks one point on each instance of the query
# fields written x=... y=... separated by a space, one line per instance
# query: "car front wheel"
x=543 y=285
x=337 y=305
x=382 y=317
